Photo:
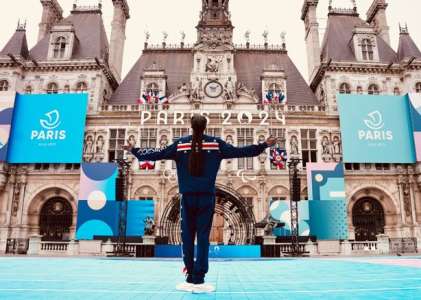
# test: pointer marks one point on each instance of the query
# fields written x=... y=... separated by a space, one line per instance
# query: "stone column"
x=34 y=245
x=383 y=245
x=346 y=248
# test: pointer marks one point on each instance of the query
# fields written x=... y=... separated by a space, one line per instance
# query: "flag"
x=141 y=101
x=282 y=99
x=147 y=165
x=163 y=100
x=278 y=157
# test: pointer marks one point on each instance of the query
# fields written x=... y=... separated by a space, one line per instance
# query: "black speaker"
x=296 y=189
x=119 y=188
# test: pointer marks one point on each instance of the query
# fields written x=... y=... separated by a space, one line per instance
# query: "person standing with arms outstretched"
x=198 y=158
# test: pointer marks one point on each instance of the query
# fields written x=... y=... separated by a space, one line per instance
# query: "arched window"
x=52 y=88
x=4 y=85
x=418 y=87
x=28 y=90
x=81 y=87
x=359 y=90
x=396 y=91
x=59 y=47
x=345 y=88
x=66 y=88
x=367 y=49
x=373 y=89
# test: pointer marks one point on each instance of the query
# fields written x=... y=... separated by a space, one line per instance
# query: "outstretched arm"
x=153 y=154
x=229 y=151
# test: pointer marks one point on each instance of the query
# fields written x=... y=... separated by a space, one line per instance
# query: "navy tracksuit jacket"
x=197 y=193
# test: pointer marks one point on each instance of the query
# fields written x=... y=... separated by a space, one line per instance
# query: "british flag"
x=147 y=165
x=278 y=157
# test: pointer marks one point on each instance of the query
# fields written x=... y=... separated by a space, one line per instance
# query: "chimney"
x=52 y=13
x=376 y=16
x=118 y=36
x=309 y=16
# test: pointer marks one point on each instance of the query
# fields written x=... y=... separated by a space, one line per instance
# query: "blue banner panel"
x=48 y=128
x=376 y=129
x=328 y=219
x=137 y=212
x=327 y=203
x=98 y=182
x=415 y=108
x=280 y=210
x=215 y=251
x=97 y=220
x=7 y=102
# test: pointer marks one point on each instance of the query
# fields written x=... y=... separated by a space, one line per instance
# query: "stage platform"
x=304 y=278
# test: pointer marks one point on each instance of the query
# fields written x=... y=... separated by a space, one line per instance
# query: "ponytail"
x=196 y=161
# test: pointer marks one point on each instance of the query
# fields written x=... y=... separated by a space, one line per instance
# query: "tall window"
x=367 y=49
x=59 y=47
x=213 y=132
x=418 y=87
x=345 y=88
x=176 y=134
x=359 y=90
x=308 y=145
x=373 y=89
x=148 y=137
x=117 y=139
x=66 y=88
x=81 y=87
x=4 y=85
x=52 y=88
x=396 y=91
x=245 y=138
x=278 y=133
x=28 y=90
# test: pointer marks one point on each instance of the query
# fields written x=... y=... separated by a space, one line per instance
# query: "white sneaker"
x=185 y=287
x=203 y=288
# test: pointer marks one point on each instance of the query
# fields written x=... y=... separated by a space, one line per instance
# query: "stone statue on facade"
x=337 y=145
x=88 y=150
x=229 y=90
x=212 y=65
x=149 y=226
x=197 y=92
x=294 y=145
x=100 y=144
x=163 y=141
x=326 y=146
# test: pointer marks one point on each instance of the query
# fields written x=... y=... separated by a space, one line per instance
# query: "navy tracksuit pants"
x=197 y=211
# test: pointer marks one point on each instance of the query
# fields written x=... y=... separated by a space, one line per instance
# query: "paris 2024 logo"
x=375 y=130
x=50 y=128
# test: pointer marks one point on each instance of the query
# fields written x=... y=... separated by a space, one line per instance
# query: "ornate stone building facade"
x=228 y=82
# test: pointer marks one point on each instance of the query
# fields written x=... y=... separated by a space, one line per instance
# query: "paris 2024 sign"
x=376 y=129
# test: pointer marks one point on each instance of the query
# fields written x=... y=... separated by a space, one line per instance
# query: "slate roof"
x=249 y=65
x=17 y=45
x=337 y=42
x=90 y=32
x=407 y=47
x=178 y=65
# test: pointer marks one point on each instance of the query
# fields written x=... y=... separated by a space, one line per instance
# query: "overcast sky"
x=174 y=16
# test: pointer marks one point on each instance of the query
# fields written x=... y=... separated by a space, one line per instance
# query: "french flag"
x=147 y=165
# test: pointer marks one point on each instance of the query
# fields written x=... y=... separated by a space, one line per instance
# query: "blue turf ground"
x=308 y=278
